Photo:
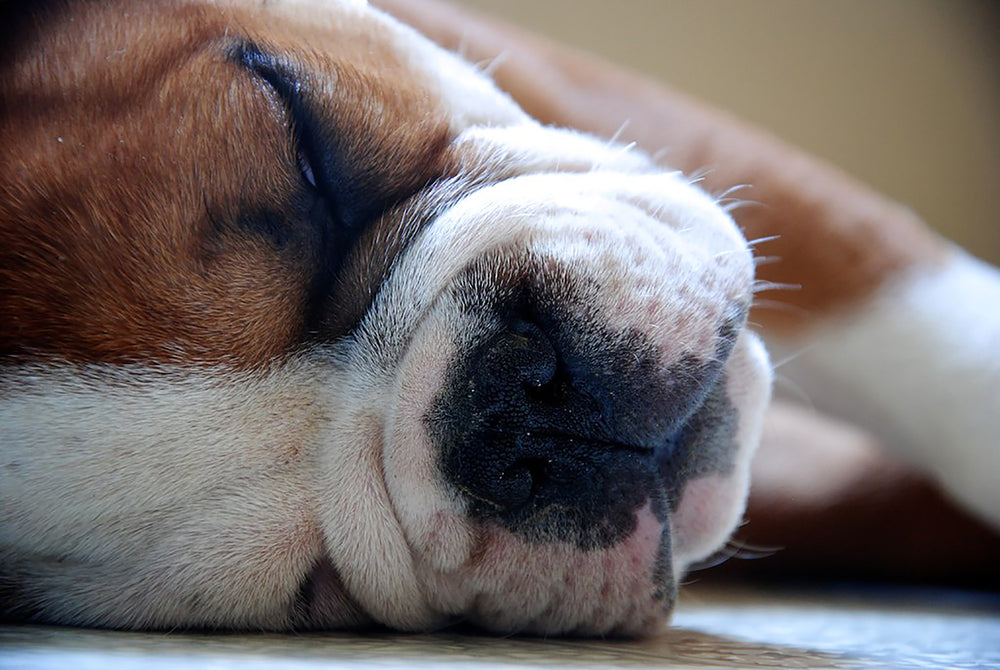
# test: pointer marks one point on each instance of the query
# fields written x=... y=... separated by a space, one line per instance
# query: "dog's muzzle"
x=574 y=402
x=559 y=431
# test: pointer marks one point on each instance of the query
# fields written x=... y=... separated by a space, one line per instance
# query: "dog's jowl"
x=307 y=325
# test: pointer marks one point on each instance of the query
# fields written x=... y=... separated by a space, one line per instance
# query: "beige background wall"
x=903 y=94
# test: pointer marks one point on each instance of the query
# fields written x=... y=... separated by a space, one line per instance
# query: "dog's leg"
x=919 y=364
x=889 y=326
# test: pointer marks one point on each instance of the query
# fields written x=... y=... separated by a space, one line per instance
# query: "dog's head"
x=305 y=324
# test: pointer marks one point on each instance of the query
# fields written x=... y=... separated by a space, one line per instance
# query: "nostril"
x=552 y=389
x=532 y=354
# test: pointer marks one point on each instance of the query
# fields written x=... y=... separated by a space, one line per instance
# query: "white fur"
x=165 y=483
x=255 y=475
x=920 y=366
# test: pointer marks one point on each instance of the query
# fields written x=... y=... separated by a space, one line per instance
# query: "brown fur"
x=166 y=268
x=827 y=500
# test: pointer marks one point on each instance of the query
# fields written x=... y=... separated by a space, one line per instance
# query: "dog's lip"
x=528 y=432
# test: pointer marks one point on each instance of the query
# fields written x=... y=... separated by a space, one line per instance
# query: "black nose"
x=559 y=430
x=519 y=381
x=524 y=354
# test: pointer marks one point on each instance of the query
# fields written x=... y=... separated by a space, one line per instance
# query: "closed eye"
x=361 y=158
x=284 y=81
x=363 y=145
x=305 y=167
x=316 y=157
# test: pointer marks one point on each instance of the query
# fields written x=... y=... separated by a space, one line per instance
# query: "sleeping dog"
x=306 y=324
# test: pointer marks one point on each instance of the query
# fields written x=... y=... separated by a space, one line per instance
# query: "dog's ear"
x=889 y=326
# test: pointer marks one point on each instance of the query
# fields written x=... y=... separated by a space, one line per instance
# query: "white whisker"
x=733 y=204
x=488 y=67
x=462 y=50
x=728 y=252
x=761 y=285
x=762 y=240
x=790 y=357
x=618 y=133
x=698 y=176
x=723 y=195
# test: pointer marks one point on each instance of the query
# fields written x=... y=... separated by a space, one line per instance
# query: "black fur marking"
x=704 y=446
x=663 y=573
x=357 y=188
x=347 y=210
x=560 y=430
x=21 y=21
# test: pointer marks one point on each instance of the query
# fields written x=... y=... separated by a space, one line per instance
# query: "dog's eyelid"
x=286 y=84
x=278 y=75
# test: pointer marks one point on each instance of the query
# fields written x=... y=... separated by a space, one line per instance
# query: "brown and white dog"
x=305 y=324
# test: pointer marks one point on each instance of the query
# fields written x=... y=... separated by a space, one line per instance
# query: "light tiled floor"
x=731 y=628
